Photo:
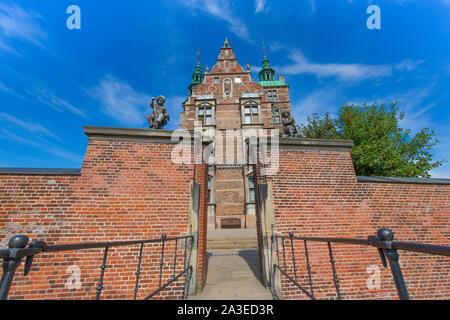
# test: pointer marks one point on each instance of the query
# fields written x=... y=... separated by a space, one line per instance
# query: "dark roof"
x=404 y=180
x=40 y=171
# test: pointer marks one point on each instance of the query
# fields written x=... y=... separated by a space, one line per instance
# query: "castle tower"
x=226 y=98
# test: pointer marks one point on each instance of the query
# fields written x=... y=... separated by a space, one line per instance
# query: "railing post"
x=102 y=274
x=161 y=264
x=291 y=236
x=308 y=266
x=387 y=236
x=11 y=264
x=335 y=276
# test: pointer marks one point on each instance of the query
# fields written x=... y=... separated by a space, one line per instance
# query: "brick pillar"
x=257 y=180
x=201 y=177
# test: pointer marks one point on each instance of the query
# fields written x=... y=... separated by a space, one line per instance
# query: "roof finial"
x=264 y=47
x=198 y=55
x=226 y=44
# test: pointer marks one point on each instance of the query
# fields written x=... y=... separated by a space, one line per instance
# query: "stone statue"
x=227 y=85
x=159 y=118
x=290 y=129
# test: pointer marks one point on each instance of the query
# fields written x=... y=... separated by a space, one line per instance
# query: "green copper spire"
x=267 y=73
x=197 y=76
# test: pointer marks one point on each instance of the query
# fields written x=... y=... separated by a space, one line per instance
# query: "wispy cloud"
x=275 y=46
x=11 y=91
x=120 y=101
x=415 y=102
x=34 y=135
x=312 y=5
x=344 y=72
x=222 y=10
x=51 y=100
x=27 y=125
x=319 y=101
x=41 y=144
x=408 y=65
x=260 y=6
x=19 y=23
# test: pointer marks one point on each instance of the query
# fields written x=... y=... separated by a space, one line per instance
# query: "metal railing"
x=12 y=258
x=383 y=241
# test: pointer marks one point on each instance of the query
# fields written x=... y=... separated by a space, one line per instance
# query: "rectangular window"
x=216 y=80
x=251 y=189
x=209 y=190
x=277 y=116
x=237 y=80
x=205 y=114
x=272 y=96
x=251 y=114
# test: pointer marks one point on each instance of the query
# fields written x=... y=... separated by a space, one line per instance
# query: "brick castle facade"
x=129 y=189
x=226 y=97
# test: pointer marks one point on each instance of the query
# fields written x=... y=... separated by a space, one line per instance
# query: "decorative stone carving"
x=290 y=129
x=159 y=118
x=227 y=87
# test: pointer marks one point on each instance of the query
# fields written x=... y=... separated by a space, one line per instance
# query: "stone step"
x=233 y=275
x=230 y=243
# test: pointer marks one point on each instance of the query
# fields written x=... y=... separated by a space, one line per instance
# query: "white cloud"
x=408 y=65
x=260 y=6
x=344 y=72
x=27 y=125
x=50 y=99
x=41 y=144
x=415 y=102
x=319 y=101
x=121 y=102
x=275 y=46
x=221 y=10
x=313 y=6
x=18 y=23
x=10 y=91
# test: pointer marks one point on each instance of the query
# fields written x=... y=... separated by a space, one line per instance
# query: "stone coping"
x=128 y=133
x=403 y=180
x=326 y=144
x=164 y=136
x=39 y=171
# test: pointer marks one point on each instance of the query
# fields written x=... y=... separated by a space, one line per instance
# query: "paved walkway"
x=233 y=275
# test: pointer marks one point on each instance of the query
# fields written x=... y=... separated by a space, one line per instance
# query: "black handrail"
x=407 y=246
x=12 y=258
x=383 y=241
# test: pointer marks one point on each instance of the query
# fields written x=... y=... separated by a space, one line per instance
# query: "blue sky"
x=53 y=80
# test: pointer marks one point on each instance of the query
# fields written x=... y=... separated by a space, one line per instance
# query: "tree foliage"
x=381 y=146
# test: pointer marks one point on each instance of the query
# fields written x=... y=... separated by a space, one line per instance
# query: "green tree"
x=381 y=146
x=320 y=128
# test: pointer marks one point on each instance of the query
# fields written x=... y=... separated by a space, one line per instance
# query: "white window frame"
x=251 y=104
x=205 y=106
x=271 y=94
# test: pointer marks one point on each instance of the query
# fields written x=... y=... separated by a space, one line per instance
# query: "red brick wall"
x=132 y=191
x=316 y=193
x=127 y=191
